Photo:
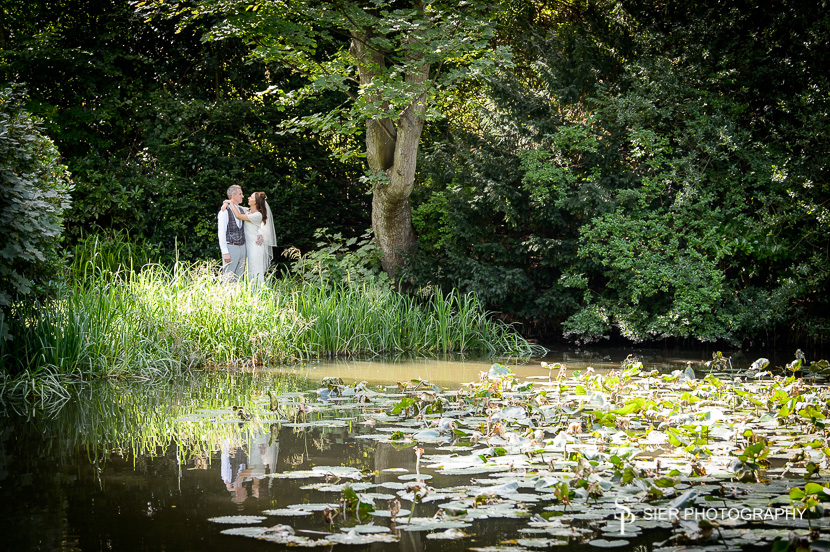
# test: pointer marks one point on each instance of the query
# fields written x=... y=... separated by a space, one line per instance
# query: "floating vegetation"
x=709 y=461
x=238 y=520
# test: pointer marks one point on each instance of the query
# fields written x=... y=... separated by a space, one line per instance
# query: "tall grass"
x=110 y=253
x=160 y=321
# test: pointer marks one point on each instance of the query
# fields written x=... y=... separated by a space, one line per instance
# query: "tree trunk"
x=391 y=152
x=391 y=211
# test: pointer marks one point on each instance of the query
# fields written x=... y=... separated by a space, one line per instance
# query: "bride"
x=260 y=236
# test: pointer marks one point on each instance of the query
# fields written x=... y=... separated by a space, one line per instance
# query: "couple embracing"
x=246 y=234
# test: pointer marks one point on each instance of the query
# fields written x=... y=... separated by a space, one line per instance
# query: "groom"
x=232 y=239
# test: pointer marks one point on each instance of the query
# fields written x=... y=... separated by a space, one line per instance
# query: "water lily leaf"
x=329 y=488
x=294 y=540
x=368 y=528
x=237 y=520
x=319 y=423
x=394 y=485
x=509 y=510
x=512 y=413
x=287 y=512
x=299 y=474
x=475 y=470
x=542 y=543
x=759 y=364
x=450 y=534
x=603 y=543
x=313 y=507
x=374 y=437
x=430 y=436
x=402 y=513
x=353 y=537
x=339 y=471
x=428 y=524
x=253 y=532
x=502 y=490
x=499 y=371
x=404 y=404
x=415 y=477
x=376 y=496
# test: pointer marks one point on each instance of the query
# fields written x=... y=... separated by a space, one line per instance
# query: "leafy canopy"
x=365 y=51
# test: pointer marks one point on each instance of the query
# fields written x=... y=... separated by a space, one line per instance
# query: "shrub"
x=35 y=192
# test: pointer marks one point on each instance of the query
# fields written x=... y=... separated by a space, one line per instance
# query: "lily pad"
x=402 y=513
x=287 y=512
x=542 y=543
x=603 y=543
x=237 y=520
x=449 y=534
x=368 y=528
x=355 y=538
x=428 y=524
x=253 y=532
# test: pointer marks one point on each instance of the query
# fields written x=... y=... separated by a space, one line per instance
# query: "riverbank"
x=162 y=320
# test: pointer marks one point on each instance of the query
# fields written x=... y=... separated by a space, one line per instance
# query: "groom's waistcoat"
x=235 y=234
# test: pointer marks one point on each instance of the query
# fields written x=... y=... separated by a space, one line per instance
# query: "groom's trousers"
x=235 y=269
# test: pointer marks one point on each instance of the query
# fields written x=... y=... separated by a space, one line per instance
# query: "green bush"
x=339 y=261
x=35 y=193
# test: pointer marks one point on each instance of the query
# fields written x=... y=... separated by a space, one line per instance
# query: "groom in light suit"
x=232 y=239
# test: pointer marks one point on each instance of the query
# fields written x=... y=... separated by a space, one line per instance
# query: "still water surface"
x=143 y=467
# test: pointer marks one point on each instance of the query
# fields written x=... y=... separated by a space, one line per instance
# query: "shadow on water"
x=144 y=467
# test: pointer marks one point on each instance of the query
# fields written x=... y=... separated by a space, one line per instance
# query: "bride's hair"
x=259 y=197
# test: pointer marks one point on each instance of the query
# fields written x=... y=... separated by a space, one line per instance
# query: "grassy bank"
x=159 y=321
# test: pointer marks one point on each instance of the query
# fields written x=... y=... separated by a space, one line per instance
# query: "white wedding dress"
x=258 y=258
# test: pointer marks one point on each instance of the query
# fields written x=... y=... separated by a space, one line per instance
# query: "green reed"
x=115 y=252
x=161 y=320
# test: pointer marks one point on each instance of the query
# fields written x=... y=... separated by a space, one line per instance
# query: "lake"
x=169 y=466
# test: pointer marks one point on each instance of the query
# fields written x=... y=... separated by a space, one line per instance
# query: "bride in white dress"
x=260 y=236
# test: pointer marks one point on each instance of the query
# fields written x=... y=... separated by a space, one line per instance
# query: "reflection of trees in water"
x=304 y=447
x=388 y=457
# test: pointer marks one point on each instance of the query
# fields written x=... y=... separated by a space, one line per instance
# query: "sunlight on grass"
x=160 y=321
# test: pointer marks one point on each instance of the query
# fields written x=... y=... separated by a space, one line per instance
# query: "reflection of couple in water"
x=239 y=467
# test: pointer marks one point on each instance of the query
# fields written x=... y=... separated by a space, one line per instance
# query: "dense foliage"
x=645 y=170
x=34 y=192
x=391 y=62
x=642 y=176
x=154 y=126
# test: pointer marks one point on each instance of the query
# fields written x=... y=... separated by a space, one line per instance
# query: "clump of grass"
x=114 y=252
x=161 y=321
x=349 y=320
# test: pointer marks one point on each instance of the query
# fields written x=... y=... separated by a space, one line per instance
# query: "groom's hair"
x=233 y=190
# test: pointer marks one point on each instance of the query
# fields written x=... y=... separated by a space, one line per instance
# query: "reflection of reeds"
x=159 y=321
x=131 y=419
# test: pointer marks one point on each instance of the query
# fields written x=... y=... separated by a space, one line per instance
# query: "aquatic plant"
x=690 y=455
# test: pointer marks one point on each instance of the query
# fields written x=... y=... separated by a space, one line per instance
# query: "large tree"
x=392 y=62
